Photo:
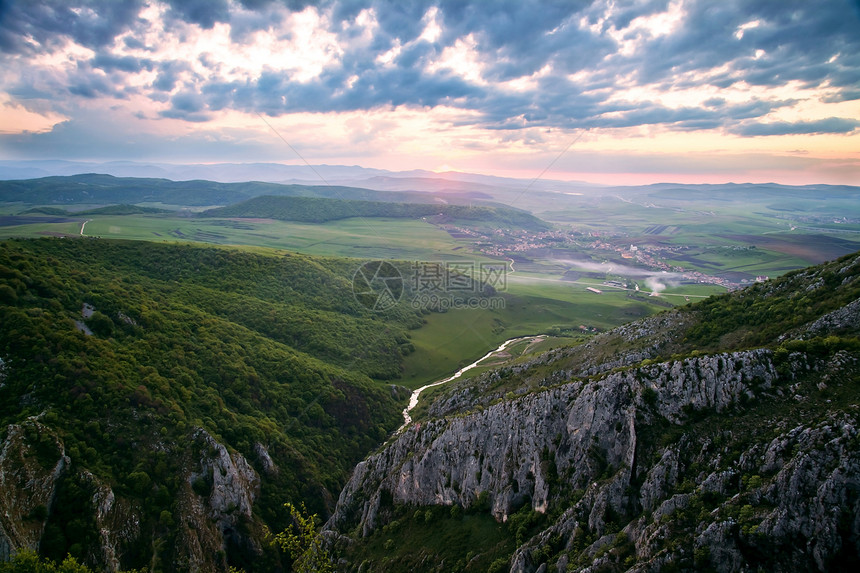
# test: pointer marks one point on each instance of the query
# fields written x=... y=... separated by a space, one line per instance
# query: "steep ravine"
x=726 y=461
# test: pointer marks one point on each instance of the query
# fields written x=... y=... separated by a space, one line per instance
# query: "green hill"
x=124 y=209
x=320 y=210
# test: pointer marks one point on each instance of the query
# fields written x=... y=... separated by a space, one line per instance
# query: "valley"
x=373 y=286
x=242 y=343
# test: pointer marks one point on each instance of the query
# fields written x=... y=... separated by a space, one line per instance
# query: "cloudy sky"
x=614 y=91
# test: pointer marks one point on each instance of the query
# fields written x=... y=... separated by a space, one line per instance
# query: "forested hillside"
x=320 y=210
x=169 y=399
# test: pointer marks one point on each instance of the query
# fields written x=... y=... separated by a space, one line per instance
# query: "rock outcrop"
x=584 y=427
x=213 y=508
x=32 y=461
x=215 y=505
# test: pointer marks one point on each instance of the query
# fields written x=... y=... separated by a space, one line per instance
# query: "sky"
x=607 y=91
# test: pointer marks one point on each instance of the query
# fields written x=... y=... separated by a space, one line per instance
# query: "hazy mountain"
x=414 y=180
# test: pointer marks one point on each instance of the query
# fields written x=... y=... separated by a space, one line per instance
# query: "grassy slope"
x=451 y=340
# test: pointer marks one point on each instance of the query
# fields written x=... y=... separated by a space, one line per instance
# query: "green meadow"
x=376 y=238
x=450 y=340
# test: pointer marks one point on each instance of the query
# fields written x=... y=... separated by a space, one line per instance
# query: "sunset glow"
x=636 y=91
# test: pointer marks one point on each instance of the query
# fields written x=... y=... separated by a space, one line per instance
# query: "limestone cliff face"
x=723 y=461
x=501 y=450
x=118 y=521
x=214 y=507
x=32 y=460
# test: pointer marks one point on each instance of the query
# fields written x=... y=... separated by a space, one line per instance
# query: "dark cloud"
x=92 y=87
x=262 y=17
x=812 y=44
x=205 y=13
x=31 y=26
x=845 y=95
x=794 y=40
x=189 y=106
x=168 y=75
x=829 y=125
x=111 y=62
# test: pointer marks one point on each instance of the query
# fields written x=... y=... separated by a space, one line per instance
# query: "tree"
x=26 y=561
x=304 y=543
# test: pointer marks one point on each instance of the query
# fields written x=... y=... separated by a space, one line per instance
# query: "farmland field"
x=455 y=338
x=727 y=237
x=360 y=238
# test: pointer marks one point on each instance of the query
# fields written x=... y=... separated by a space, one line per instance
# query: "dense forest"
x=122 y=209
x=320 y=210
x=118 y=354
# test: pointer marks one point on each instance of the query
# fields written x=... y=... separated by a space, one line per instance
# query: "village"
x=604 y=247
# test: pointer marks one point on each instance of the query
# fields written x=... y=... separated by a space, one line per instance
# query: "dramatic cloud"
x=829 y=125
x=734 y=70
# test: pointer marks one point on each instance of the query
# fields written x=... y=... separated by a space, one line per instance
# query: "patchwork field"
x=360 y=238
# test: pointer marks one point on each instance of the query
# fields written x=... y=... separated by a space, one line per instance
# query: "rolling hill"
x=321 y=210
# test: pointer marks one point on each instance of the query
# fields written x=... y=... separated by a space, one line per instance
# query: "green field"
x=453 y=339
x=402 y=239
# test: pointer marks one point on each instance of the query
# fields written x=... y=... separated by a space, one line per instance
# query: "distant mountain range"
x=367 y=178
x=101 y=189
x=352 y=175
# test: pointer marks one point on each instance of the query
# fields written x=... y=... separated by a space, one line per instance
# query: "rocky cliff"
x=31 y=463
x=646 y=449
x=213 y=511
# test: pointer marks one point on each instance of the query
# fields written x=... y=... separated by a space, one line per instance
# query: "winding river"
x=413 y=400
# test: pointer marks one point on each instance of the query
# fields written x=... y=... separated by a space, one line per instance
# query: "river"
x=413 y=399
